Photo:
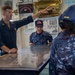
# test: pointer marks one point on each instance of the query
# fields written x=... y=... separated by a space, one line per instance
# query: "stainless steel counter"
x=31 y=59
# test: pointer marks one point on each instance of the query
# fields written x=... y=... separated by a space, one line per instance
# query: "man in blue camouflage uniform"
x=8 y=29
x=57 y=42
x=63 y=47
x=65 y=58
x=40 y=37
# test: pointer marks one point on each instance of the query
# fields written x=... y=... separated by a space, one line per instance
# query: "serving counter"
x=27 y=61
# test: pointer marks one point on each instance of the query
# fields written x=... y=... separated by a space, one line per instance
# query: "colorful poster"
x=26 y=8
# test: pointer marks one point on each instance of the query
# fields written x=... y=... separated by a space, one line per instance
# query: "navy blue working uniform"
x=8 y=35
x=65 y=58
x=56 y=44
x=62 y=58
x=40 y=39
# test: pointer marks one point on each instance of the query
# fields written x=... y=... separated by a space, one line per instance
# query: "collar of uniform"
x=2 y=22
x=11 y=25
x=39 y=33
x=63 y=35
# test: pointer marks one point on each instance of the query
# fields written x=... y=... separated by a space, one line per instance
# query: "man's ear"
x=3 y=13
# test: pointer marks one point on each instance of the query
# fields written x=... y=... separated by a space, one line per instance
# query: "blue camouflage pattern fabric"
x=40 y=39
x=56 y=44
x=65 y=58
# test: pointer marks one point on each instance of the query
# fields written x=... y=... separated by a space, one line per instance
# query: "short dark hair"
x=68 y=25
x=6 y=7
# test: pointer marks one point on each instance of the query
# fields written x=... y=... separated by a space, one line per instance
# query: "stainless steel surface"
x=31 y=58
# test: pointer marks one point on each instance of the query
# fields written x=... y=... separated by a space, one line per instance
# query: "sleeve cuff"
x=30 y=18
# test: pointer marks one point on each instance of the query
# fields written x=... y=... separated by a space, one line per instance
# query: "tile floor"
x=45 y=72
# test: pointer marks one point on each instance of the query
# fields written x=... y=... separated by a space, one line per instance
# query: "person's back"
x=62 y=57
x=57 y=43
x=60 y=39
x=65 y=57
